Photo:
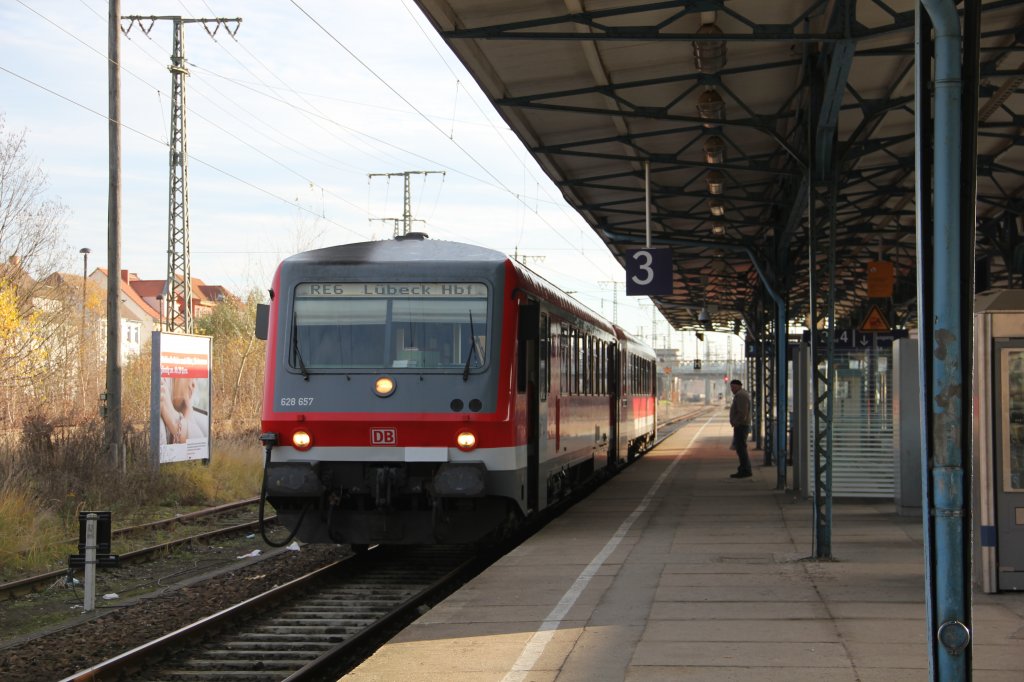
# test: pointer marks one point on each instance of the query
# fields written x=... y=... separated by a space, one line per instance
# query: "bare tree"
x=31 y=225
x=32 y=320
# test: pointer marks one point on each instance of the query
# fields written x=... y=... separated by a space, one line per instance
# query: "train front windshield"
x=439 y=326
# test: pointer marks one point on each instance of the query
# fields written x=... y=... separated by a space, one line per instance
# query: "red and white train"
x=423 y=391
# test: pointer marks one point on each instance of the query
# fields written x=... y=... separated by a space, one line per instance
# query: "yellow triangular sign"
x=875 y=321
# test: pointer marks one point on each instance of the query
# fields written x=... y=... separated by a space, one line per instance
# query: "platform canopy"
x=744 y=109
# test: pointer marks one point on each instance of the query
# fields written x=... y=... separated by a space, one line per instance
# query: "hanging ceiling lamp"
x=714 y=150
x=709 y=54
x=717 y=207
x=715 y=182
x=711 y=108
x=717 y=228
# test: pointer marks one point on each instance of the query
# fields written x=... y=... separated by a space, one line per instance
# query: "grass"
x=53 y=474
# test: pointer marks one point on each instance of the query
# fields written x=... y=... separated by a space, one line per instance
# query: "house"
x=145 y=298
x=136 y=320
x=153 y=292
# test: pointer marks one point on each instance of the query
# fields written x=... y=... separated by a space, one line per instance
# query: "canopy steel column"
x=827 y=84
x=769 y=387
x=781 y=388
x=759 y=397
x=756 y=369
x=822 y=340
x=946 y=475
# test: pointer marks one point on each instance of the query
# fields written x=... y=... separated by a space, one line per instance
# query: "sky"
x=286 y=122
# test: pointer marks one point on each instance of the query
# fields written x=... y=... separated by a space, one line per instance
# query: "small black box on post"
x=104 y=558
x=102 y=531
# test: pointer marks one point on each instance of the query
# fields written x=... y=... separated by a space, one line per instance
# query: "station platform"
x=674 y=571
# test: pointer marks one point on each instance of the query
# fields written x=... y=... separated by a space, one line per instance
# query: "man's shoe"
x=741 y=474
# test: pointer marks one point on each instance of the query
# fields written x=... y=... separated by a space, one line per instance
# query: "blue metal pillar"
x=941 y=349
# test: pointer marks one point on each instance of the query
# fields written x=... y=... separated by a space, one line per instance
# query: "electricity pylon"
x=179 y=268
x=407 y=219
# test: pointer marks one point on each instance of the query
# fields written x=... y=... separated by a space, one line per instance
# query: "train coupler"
x=464 y=479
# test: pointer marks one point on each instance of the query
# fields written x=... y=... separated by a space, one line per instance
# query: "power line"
x=421 y=114
x=192 y=157
x=378 y=143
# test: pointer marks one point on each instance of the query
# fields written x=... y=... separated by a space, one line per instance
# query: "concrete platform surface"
x=674 y=571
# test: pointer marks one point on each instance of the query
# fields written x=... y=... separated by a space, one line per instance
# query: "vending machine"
x=999 y=440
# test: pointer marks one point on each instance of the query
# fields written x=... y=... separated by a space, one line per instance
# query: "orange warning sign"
x=875 y=321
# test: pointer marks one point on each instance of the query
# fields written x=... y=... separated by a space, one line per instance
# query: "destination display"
x=391 y=290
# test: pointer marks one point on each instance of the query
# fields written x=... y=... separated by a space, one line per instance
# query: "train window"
x=423 y=326
x=438 y=333
x=590 y=365
x=563 y=360
x=573 y=360
x=544 y=356
x=578 y=362
x=587 y=369
x=325 y=336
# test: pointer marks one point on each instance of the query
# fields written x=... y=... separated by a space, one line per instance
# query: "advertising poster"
x=181 y=397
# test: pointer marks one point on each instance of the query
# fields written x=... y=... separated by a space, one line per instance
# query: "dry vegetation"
x=54 y=459
x=56 y=463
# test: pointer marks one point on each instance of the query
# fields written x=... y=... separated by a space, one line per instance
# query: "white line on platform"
x=538 y=642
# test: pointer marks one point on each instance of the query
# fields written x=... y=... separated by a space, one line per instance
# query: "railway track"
x=328 y=623
x=139 y=533
x=308 y=627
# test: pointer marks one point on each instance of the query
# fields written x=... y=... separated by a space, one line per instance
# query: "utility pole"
x=179 y=267
x=407 y=219
x=615 y=298
x=112 y=396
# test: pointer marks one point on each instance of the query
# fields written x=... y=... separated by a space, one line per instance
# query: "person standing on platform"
x=739 y=417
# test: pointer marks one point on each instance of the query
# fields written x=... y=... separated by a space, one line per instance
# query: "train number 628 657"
x=292 y=402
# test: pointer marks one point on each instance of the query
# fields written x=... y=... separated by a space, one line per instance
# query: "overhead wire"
x=194 y=112
x=147 y=136
x=287 y=85
x=495 y=181
x=412 y=106
x=558 y=202
x=158 y=91
x=276 y=131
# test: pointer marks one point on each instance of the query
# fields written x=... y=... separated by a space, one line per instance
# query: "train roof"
x=639 y=344
x=414 y=246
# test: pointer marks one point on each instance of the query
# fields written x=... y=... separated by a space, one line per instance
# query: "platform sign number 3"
x=649 y=272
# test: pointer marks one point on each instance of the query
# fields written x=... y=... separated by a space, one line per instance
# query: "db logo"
x=383 y=436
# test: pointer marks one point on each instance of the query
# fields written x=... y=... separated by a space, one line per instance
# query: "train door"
x=1009 y=465
x=615 y=451
x=529 y=383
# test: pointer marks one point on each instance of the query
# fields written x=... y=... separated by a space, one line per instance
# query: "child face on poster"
x=182 y=390
x=176 y=406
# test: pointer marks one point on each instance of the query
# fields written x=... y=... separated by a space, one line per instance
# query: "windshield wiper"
x=298 y=353
x=472 y=347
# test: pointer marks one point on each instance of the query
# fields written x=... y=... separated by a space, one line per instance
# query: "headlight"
x=384 y=386
x=466 y=441
x=301 y=440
